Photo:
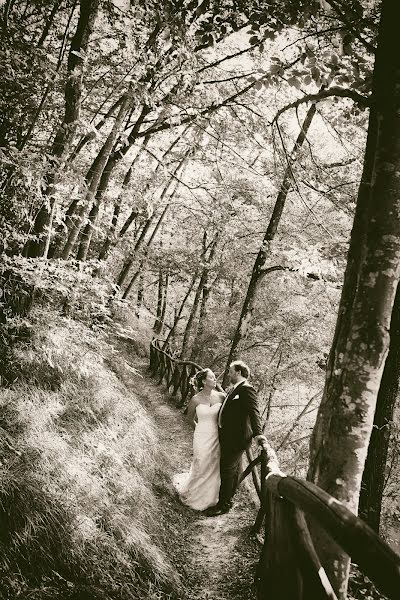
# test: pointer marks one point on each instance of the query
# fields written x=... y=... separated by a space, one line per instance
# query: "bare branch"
x=206 y=111
x=322 y=95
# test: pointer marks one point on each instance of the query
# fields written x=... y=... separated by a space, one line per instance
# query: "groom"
x=239 y=422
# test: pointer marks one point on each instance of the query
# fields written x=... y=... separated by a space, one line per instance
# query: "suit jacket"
x=240 y=418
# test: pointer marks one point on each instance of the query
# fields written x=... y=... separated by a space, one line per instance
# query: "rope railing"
x=289 y=567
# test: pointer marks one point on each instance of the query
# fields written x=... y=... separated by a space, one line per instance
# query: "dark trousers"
x=230 y=471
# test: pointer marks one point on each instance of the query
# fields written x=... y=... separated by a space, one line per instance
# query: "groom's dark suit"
x=239 y=422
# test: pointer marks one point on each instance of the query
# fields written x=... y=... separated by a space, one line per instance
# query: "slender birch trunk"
x=257 y=273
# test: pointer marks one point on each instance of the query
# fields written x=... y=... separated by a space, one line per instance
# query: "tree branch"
x=206 y=111
x=333 y=91
x=313 y=276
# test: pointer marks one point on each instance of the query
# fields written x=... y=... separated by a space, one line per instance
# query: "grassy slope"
x=79 y=465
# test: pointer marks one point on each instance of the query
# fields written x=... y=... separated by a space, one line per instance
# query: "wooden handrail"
x=374 y=557
x=288 y=547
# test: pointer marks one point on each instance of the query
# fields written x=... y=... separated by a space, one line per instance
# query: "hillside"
x=88 y=452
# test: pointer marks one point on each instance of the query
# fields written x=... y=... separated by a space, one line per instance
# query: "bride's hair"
x=197 y=381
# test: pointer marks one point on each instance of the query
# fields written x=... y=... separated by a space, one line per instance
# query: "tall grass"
x=79 y=517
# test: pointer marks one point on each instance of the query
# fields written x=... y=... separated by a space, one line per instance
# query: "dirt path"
x=220 y=552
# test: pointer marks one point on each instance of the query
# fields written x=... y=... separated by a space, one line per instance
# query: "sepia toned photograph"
x=199 y=301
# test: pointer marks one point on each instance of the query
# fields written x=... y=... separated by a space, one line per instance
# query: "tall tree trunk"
x=198 y=338
x=140 y=295
x=50 y=85
x=65 y=134
x=164 y=302
x=92 y=134
x=149 y=243
x=132 y=257
x=119 y=151
x=339 y=443
x=96 y=179
x=179 y=312
x=101 y=178
x=192 y=315
x=62 y=227
x=112 y=238
x=160 y=296
x=48 y=24
x=374 y=476
x=257 y=273
x=163 y=284
x=123 y=275
x=133 y=214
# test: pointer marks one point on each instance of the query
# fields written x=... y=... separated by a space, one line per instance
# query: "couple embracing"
x=224 y=428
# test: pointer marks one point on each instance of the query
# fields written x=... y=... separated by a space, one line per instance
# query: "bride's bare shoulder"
x=218 y=397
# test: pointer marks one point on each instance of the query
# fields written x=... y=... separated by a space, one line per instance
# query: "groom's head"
x=238 y=370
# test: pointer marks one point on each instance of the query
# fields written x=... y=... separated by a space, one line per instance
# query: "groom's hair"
x=240 y=366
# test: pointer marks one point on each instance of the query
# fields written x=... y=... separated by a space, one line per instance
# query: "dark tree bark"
x=111 y=235
x=125 y=271
x=113 y=238
x=192 y=315
x=50 y=86
x=140 y=295
x=374 y=476
x=65 y=134
x=119 y=151
x=129 y=262
x=339 y=443
x=179 y=312
x=160 y=297
x=62 y=228
x=257 y=273
x=132 y=257
x=92 y=135
x=100 y=179
x=163 y=284
x=197 y=298
x=198 y=338
x=49 y=22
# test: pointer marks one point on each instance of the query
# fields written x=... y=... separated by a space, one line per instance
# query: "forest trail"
x=220 y=552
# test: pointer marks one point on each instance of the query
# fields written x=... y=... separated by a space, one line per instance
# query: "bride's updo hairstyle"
x=198 y=380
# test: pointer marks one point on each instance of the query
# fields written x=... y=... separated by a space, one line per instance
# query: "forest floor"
x=218 y=554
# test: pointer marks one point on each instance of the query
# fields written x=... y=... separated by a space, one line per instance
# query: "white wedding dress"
x=199 y=488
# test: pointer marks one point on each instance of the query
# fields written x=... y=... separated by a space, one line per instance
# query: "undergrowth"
x=78 y=464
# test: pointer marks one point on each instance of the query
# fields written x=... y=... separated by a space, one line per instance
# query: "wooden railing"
x=289 y=567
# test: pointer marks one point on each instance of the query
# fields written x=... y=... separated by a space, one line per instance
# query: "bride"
x=199 y=488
